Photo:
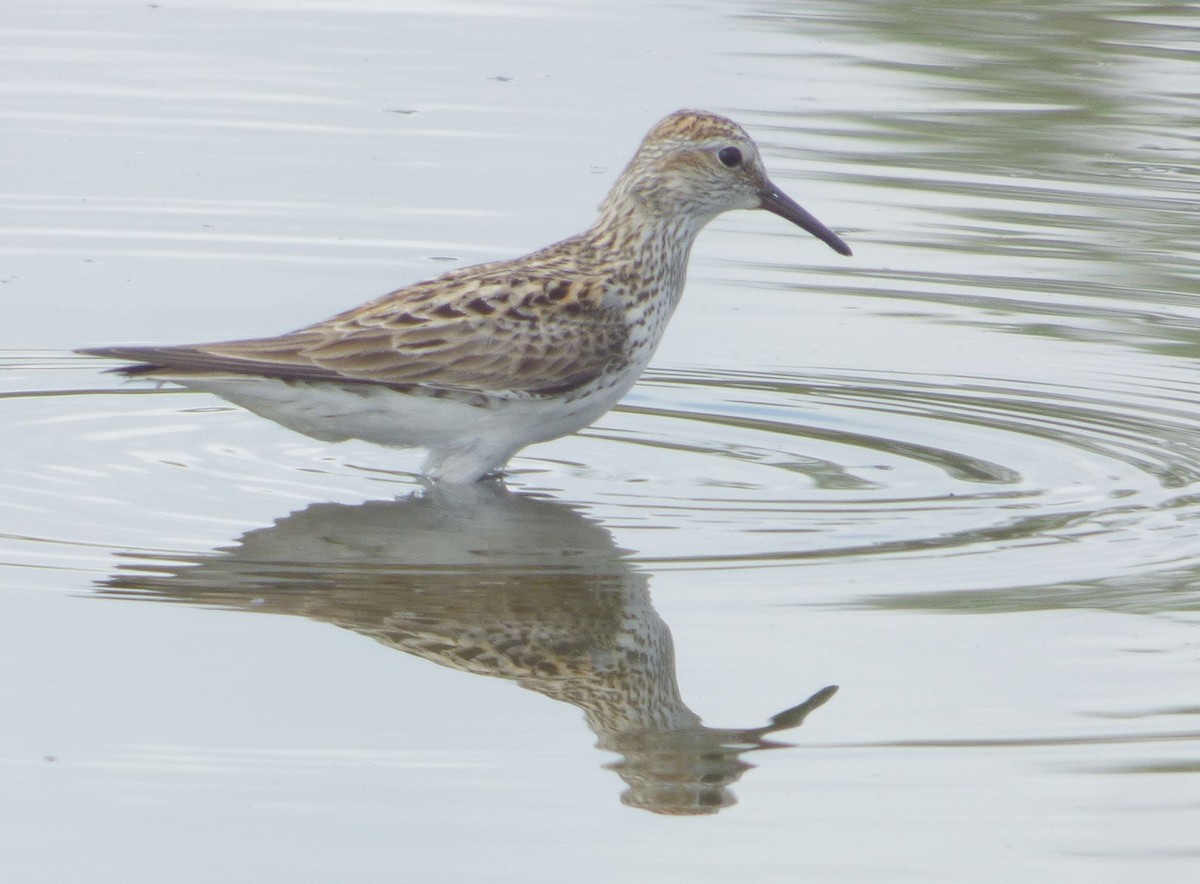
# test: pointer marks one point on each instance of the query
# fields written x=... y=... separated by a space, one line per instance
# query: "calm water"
x=957 y=476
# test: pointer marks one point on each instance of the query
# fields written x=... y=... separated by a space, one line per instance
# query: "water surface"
x=955 y=476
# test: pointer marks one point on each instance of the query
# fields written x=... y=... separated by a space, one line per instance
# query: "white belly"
x=467 y=436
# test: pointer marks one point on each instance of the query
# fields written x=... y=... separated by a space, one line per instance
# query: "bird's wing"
x=522 y=334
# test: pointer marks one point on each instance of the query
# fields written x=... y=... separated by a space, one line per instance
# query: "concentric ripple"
x=694 y=470
x=839 y=465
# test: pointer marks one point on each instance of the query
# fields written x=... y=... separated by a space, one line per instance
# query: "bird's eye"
x=730 y=157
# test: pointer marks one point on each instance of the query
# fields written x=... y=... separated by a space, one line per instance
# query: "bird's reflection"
x=496 y=583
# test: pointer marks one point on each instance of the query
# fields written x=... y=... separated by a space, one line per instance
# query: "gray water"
x=957 y=475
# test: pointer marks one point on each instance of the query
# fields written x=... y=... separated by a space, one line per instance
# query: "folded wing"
x=520 y=335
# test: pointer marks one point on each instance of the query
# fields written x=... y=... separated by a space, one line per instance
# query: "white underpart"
x=466 y=440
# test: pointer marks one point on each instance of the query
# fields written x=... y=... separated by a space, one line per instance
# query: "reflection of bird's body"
x=481 y=580
x=480 y=362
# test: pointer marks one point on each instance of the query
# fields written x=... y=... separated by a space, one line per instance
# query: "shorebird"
x=480 y=362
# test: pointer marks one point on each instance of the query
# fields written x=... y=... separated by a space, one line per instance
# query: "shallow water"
x=957 y=475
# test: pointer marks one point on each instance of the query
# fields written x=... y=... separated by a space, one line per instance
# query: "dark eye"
x=730 y=156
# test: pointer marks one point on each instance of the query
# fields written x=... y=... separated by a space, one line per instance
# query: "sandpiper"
x=480 y=362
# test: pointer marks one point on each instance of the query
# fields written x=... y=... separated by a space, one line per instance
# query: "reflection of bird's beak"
x=775 y=200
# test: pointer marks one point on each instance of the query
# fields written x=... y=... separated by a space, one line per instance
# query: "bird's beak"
x=775 y=200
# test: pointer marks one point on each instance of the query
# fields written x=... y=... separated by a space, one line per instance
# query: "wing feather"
x=523 y=334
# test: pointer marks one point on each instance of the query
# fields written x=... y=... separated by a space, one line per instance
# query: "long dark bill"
x=775 y=200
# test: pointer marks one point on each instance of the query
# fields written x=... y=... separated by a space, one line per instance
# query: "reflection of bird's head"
x=682 y=780
x=687 y=772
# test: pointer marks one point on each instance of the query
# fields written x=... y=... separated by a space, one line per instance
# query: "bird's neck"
x=643 y=239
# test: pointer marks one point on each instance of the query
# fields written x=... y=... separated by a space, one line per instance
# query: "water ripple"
x=695 y=470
